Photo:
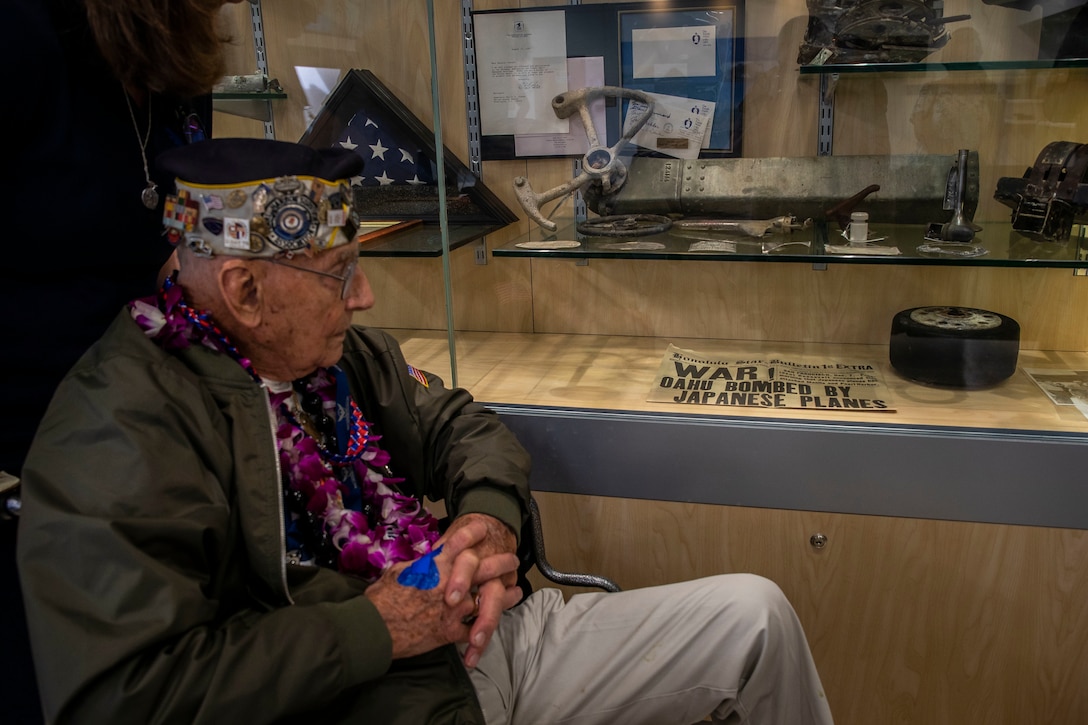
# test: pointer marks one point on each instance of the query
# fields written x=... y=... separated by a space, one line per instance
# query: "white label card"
x=686 y=52
x=679 y=127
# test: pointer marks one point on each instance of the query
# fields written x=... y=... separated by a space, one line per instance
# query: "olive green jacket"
x=151 y=544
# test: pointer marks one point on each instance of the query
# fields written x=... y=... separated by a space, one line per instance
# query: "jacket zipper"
x=282 y=552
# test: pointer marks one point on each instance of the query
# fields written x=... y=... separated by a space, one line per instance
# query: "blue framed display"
x=638 y=44
x=688 y=52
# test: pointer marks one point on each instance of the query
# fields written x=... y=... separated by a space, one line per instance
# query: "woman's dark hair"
x=169 y=46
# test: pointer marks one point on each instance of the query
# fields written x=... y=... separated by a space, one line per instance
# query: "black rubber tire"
x=960 y=347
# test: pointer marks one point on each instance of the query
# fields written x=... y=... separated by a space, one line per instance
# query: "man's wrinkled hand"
x=473 y=576
x=476 y=560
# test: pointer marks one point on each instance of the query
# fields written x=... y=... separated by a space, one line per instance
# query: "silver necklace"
x=150 y=195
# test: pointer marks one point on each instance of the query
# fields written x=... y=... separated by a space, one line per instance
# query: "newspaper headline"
x=691 y=378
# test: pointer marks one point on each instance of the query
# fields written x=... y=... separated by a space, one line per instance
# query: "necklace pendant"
x=150 y=196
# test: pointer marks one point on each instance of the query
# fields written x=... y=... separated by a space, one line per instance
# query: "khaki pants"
x=728 y=646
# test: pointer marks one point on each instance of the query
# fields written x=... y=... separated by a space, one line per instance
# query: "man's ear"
x=241 y=291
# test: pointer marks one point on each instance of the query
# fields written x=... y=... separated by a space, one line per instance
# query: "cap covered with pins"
x=258 y=197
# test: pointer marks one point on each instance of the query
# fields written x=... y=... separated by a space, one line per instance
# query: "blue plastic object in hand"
x=423 y=573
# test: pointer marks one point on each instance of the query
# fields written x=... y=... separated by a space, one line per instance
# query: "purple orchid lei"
x=360 y=528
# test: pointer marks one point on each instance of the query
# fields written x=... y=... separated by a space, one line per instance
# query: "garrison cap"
x=258 y=197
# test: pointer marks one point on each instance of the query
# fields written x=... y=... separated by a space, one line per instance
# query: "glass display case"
x=567 y=322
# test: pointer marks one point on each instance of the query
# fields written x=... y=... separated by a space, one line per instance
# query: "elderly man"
x=223 y=521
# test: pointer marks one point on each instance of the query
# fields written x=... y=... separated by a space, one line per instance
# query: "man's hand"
x=420 y=620
x=496 y=593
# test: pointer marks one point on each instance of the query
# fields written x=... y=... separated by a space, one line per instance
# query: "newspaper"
x=1063 y=387
x=692 y=378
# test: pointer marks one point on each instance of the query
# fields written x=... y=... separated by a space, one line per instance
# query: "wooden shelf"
x=612 y=372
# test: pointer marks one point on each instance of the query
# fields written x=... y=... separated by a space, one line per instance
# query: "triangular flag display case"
x=399 y=179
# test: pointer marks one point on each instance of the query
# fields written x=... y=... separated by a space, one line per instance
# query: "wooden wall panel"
x=780 y=107
x=408 y=292
x=910 y=621
x=764 y=301
x=492 y=296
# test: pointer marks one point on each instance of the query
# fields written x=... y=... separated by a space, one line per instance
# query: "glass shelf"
x=844 y=68
x=823 y=243
x=251 y=104
x=249 y=96
x=424 y=240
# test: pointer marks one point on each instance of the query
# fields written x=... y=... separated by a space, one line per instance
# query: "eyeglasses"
x=345 y=278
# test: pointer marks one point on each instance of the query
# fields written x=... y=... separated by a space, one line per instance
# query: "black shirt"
x=79 y=241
